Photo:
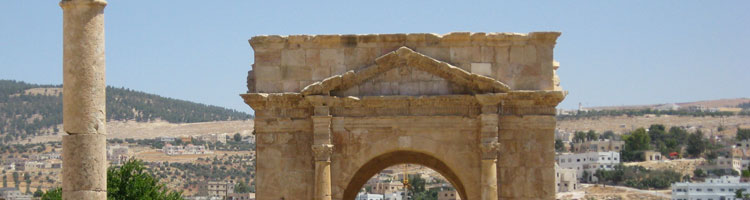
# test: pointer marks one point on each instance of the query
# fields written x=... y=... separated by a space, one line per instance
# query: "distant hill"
x=738 y=102
x=31 y=109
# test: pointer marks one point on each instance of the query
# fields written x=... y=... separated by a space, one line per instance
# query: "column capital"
x=489 y=150
x=65 y=3
x=322 y=152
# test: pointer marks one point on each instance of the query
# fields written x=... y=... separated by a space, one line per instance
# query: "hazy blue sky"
x=611 y=53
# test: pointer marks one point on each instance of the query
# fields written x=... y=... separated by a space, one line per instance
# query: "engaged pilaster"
x=322 y=147
x=84 y=114
x=489 y=143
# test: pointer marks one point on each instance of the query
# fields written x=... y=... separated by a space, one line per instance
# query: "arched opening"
x=378 y=164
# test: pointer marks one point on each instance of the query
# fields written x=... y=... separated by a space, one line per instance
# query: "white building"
x=215 y=137
x=368 y=196
x=588 y=162
x=566 y=180
x=165 y=139
x=13 y=194
x=723 y=188
x=185 y=150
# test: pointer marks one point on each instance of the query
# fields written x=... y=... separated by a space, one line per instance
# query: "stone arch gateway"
x=332 y=110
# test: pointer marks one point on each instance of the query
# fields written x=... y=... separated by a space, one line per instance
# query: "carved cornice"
x=322 y=152
x=269 y=42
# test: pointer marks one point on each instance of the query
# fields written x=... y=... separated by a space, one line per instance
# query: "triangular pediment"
x=416 y=73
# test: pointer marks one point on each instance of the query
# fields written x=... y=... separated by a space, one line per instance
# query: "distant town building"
x=117 y=154
x=588 y=162
x=667 y=107
x=220 y=189
x=724 y=163
x=368 y=196
x=387 y=187
x=249 y=139
x=186 y=139
x=563 y=135
x=189 y=149
x=243 y=196
x=566 y=179
x=394 y=196
x=598 y=146
x=712 y=188
x=214 y=137
x=652 y=155
x=13 y=194
x=165 y=139
x=448 y=195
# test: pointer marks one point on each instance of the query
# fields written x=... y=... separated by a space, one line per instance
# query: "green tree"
x=242 y=188
x=635 y=143
x=53 y=194
x=742 y=134
x=608 y=135
x=699 y=173
x=38 y=192
x=237 y=137
x=5 y=181
x=592 y=135
x=560 y=146
x=28 y=186
x=657 y=133
x=696 y=144
x=131 y=181
x=15 y=179
x=579 y=136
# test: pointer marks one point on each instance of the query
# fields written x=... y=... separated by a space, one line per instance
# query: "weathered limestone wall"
x=333 y=110
x=359 y=140
x=289 y=63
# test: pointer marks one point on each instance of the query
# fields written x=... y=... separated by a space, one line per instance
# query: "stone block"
x=298 y=73
x=484 y=69
x=268 y=86
x=320 y=72
x=461 y=54
x=84 y=162
x=525 y=54
x=312 y=57
x=294 y=57
x=268 y=58
x=438 y=53
x=356 y=58
x=84 y=195
x=334 y=58
x=290 y=86
x=267 y=73
x=502 y=54
x=487 y=54
x=408 y=88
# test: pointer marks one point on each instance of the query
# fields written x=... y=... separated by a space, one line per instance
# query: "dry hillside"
x=142 y=130
x=625 y=124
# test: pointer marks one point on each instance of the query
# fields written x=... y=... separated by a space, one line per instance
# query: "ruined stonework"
x=334 y=110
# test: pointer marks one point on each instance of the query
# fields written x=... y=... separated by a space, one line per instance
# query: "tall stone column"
x=489 y=144
x=84 y=115
x=322 y=146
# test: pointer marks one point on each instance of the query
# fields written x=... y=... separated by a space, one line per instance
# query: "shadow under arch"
x=381 y=162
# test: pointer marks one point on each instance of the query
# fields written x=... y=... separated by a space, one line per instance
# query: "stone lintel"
x=84 y=163
x=270 y=42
